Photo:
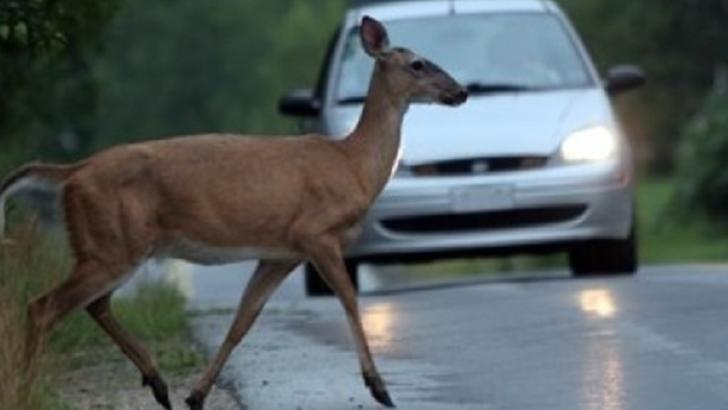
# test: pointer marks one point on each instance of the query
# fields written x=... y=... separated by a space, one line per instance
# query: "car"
x=536 y=160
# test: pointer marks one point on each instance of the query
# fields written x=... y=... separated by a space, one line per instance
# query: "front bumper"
x=556 y=205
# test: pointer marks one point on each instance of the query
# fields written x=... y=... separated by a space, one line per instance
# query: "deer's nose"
x=454 y=98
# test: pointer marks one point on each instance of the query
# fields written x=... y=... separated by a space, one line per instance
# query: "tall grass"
x=13 y=386
x=27 y=265
x=32 y=264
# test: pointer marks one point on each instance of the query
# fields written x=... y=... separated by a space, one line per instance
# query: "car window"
x=529 y=50
x=320 y=89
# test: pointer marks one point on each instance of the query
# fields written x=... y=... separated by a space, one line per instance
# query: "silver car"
x=534 y=162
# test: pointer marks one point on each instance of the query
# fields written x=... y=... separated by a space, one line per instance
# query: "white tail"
x=215 y=198
x=5 y=194
x=32 y=176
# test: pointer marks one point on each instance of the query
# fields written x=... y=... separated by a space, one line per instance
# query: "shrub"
x=702 y=168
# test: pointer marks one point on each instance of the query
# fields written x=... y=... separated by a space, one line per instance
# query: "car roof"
x=398 y=9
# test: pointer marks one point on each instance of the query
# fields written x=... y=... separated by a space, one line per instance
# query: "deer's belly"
x=203 y=254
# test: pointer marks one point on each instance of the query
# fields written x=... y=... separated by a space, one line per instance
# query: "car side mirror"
x=623 y=78
x=299 y=103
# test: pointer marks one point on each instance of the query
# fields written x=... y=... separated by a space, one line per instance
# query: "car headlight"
x=589 y=144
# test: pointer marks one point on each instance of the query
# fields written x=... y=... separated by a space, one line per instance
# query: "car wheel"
x=604 y=257
x=316 y=286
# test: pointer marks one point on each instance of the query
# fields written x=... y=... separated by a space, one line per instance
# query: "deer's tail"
x=34 y=175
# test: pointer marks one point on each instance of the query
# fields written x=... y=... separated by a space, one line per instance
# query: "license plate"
x=482 y=198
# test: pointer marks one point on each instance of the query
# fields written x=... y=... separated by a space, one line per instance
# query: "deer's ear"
x=373 y=37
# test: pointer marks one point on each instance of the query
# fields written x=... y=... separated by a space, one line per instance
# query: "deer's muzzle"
x=454 y=99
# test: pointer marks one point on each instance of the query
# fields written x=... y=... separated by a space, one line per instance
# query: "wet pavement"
x=542 y=341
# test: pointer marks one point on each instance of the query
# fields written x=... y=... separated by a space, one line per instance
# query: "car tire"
x=316 y=286
x=604 y=257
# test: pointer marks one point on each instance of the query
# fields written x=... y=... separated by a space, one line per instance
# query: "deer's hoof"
x=196 y=400
x=379 y=390
x=159 y=389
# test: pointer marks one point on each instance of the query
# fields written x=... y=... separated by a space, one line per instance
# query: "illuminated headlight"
x=589 y=144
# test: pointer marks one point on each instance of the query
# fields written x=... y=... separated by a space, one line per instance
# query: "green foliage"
x=49 y=93
x=299 y=42
x=703 y=180
x=33 y=26
x=679 y=43
x=76 y=80
x=165 y=75
x=665 y=236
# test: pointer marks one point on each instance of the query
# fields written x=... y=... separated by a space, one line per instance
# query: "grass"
x=669 y=236
x=499 y=266
x=663 y=238
x=23 y=270
x=155 y=313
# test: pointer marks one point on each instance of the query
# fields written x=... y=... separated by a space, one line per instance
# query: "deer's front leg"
x=268 y=275
x=326 y=255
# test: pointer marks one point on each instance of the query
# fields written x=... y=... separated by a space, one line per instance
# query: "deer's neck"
x=375 y=142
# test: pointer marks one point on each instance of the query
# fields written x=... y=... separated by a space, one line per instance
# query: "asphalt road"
x=655 y=341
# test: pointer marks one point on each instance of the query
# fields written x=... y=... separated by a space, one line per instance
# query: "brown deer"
x=214 y=199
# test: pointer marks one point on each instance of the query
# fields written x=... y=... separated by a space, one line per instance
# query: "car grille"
x=477 y=166
x=488 y=220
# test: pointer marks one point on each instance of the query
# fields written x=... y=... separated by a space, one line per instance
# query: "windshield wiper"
x=473 y=88
x=352 y=100
x=493 y=88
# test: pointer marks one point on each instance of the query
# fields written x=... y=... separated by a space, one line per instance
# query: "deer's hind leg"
x=100 y=311
x=109 y=240
x=87 y=282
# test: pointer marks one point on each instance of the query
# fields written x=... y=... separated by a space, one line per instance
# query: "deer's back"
x=220 y=191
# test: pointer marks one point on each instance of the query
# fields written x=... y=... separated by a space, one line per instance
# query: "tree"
x=207 y=66
x=702 y=178
x=45 y=48
x=679 y=43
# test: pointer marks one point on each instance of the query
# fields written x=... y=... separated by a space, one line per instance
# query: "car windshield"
x=493 y=52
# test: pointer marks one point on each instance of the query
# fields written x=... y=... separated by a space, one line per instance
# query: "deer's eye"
x=417 y=65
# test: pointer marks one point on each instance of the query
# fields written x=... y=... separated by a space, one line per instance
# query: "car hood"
x=509 y=124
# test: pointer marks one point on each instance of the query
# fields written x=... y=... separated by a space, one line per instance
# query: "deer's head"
x=406 y=73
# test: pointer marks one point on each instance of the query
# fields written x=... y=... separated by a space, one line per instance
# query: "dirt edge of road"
x=117 y=385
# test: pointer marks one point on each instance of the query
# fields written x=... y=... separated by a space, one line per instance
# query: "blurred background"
x=77 y=76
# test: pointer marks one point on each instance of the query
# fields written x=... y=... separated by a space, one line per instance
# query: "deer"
x=221 y=198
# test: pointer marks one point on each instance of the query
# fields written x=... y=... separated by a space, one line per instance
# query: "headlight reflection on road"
x=603 y=376
x=598 y=302
x=379 y=320
x=604 y=384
